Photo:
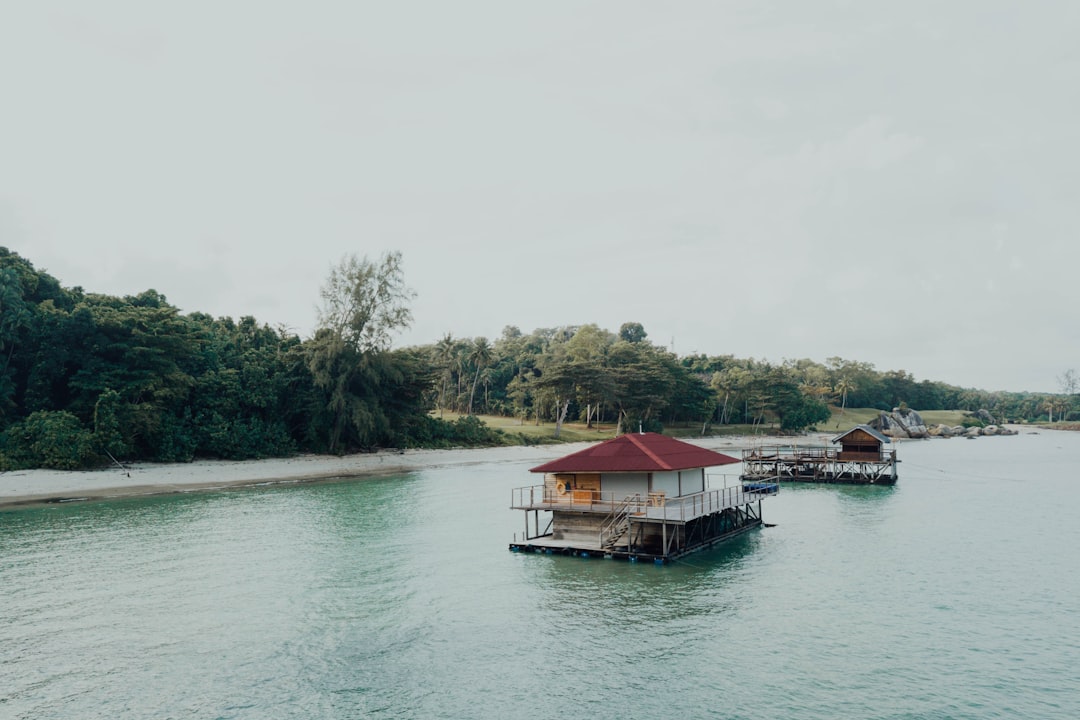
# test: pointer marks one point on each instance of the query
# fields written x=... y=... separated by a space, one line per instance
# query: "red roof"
x=644 y=452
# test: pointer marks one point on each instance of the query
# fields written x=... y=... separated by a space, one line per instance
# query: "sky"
x=893 y=183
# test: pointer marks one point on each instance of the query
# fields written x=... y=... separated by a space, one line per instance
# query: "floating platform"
x=548 y=546
x=650 y=529
x=819 y=465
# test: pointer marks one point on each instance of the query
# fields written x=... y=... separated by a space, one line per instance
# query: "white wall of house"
x=666 y=482
x=692 y=481
x=622 y=484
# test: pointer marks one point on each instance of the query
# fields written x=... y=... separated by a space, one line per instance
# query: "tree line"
x=589 y=374
x=87 y=379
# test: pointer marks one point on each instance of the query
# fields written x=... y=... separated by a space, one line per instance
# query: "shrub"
x=175 y=442
x=468 y=430
x=107 y=425
x=803 y=415
x=240 y=438
x=471 y=430
x=50 y=439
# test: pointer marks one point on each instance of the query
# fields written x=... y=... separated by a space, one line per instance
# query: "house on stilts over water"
x=860 y=459
x=645 y=496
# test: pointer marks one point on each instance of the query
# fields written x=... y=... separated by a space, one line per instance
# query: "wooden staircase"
x=617 y=524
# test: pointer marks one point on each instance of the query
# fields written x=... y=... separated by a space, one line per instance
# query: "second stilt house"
x=860 y=459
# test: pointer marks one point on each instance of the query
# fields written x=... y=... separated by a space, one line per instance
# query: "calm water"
x=953 y=595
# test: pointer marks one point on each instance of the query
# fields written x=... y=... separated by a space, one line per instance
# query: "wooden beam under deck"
x=549 y=546
x=676 y=538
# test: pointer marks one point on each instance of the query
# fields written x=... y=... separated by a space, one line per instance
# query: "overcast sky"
x=887 y=182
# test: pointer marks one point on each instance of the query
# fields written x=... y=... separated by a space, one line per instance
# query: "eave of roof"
x=643 y=452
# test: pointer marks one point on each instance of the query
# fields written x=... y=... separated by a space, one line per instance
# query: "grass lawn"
x=849 y=418
x=944 y=417
x=578 y=432
x=1058 y=425
x=544 y=432
x=529 y=433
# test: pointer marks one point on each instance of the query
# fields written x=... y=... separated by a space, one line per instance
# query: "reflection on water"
x=866 y=494
x=611 y=591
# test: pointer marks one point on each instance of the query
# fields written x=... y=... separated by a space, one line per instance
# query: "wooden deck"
x=654 y=508
x=820 y=465
x=651 y=528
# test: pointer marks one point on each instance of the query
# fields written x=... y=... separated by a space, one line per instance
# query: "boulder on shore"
x=988 y=431
x=901 y=423
x=907 y=423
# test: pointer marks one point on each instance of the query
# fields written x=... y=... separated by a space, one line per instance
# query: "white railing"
x=689 y=507
x=541 y=497
x=654 y=507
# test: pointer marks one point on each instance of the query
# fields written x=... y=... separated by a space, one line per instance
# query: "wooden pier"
x=859 y=459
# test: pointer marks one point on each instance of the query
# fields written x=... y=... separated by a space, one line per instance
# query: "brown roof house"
x=637 y=496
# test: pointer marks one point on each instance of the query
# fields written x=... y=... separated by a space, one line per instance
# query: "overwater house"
x=638 y=496
x=857 y=457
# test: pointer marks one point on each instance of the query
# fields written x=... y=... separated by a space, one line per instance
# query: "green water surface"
x=952 y=595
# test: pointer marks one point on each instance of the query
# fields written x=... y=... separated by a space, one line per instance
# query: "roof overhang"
x=643 y=452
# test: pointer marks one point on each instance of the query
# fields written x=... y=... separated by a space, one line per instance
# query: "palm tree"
x=1052 y=404
x=480 y=355
x=486 y=376
x=461 y=361
x=444 y=356
x=843 y=387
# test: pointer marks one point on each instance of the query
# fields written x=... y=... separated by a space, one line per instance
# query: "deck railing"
x=654 y=507
x=790 y=452
x=795 y=453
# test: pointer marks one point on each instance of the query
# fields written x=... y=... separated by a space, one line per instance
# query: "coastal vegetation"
x=89 y=379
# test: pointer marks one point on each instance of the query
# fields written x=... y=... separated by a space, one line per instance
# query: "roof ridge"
x=648 y=451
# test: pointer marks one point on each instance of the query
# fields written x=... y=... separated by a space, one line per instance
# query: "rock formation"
x=901 y=423
x=907 y=423
x=947 y=431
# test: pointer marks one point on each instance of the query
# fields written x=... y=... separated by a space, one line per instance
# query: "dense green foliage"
x=89 y=379
x=590 y=374
x=86 y=379
x=593 y=375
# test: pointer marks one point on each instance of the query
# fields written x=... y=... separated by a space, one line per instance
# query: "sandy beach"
x=35 y=487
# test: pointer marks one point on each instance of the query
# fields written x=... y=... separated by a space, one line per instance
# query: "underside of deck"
x=645 y=536
x=548 y=546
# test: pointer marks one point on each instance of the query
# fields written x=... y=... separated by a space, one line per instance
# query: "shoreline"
x=35 y=488
x=29 y=488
